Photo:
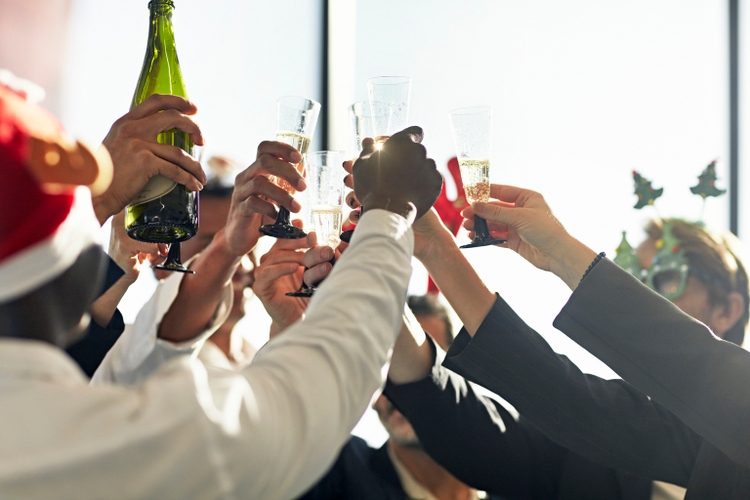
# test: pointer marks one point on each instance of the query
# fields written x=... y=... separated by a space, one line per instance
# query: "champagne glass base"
x=177 y=268
x=282 y=231
x=483 y=242
x=302 y=292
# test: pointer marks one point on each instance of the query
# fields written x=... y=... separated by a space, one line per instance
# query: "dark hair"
x=717 y=265
x=428 y=305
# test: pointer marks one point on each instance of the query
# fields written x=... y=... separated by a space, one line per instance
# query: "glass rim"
x=284 y=100
x=388 y=80
x=470 y=110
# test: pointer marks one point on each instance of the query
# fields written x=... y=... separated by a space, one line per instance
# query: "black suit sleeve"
x=665 y=353
x=98 y=340
x=476 y=438
x=606 y=421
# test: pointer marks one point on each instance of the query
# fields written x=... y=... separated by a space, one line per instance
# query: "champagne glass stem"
x=482 y=236
x=174 y=261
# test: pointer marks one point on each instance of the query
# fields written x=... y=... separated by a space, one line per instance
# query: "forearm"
x=475 y=438
x=104 y=307
x=583 y=413
x=458 y=281
x=664 y=353
x=412 y=356
x=200 y=293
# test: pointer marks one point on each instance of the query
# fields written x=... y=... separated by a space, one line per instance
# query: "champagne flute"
x=472 y=130
x=174 y=260
x=296 y=118
x=364 y=123
x=325 y=181
x=389 y=96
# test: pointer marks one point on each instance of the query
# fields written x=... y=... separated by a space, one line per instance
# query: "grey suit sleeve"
x=664 y=353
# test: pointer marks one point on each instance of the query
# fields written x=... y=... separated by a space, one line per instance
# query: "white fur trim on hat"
x=48 y=259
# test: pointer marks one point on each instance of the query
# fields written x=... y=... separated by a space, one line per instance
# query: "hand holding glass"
x=325 y=181
x=296 y=118
x=472 y=130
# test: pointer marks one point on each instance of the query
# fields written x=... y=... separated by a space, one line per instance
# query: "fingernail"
x=199 y=187
x=326 y=253
x=296 y=206
x=301 y=185
x=295 y=157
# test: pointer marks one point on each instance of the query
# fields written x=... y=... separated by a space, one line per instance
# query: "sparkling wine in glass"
x=296 y=118
x=325 y=181
x=472 y=130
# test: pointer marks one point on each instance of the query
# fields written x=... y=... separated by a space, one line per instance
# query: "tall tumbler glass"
x=472 y=135
x=296 y=118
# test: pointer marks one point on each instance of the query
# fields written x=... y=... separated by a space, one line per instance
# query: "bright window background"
x=583 y=92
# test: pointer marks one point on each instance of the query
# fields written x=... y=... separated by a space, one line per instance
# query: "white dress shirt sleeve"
x=139 y=351
x=268 y=431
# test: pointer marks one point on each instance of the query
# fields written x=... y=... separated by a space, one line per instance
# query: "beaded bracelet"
x=596 y=259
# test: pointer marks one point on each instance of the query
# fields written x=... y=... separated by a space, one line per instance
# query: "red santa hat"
x=46 y=216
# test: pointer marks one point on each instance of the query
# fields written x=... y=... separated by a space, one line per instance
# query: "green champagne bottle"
x=164 y=212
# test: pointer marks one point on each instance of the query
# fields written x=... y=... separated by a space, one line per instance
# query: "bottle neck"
x=161 y=7
x=161 y=14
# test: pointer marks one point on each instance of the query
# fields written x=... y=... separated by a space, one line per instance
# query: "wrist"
x=103 y=209
x=571 y=261
x=436 y=246
x=403 y=208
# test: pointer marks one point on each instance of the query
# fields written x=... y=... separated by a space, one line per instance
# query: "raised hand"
x=253 y=190
x=533 y=231
x=136 y=156
x=130 y=254
x=399 y=177
x=279 y=272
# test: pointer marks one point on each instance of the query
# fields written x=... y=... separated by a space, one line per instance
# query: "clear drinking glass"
x=325 y=186
x=472 y=131
x=389 y=96
x=296 y=118
x=365 y=122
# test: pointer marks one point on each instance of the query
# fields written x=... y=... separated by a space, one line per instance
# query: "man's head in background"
x=434 y=319
x=713 y=285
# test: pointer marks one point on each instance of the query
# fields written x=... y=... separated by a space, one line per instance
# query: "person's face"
x=399 y=429
x=437 y=329
x=694 y=300
x=213 y=217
